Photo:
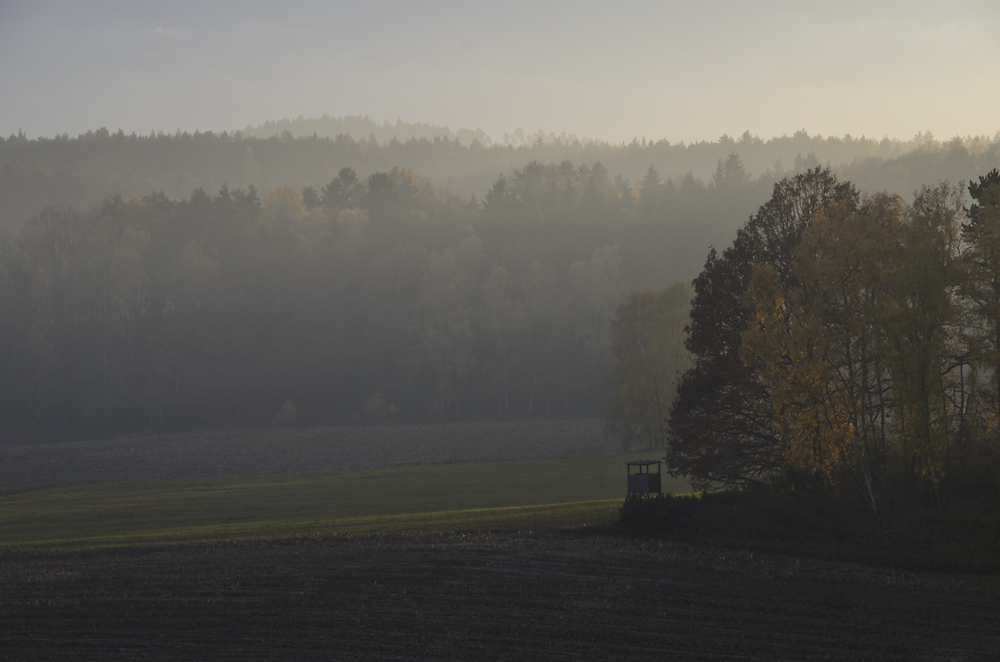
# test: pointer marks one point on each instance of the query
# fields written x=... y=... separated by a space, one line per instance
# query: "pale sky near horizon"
x=679 y=71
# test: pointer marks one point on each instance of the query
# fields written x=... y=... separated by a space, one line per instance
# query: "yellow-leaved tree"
x=821 y=348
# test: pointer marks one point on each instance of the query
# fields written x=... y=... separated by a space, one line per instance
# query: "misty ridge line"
x=363 y=126
x=82 y=171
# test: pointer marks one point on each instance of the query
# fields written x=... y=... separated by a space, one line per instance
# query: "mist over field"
x=235 y=217
x=243 y=216
x=537 y=329
x=173 y=282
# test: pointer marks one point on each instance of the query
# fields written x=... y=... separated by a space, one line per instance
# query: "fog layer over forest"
x=202 y=280
x=85 y=170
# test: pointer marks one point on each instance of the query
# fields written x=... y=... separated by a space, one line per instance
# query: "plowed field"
x=482 y=597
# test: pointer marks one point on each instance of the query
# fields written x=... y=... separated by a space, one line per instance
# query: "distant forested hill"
x=362 y=126
x=224 y=276
x=85 y=170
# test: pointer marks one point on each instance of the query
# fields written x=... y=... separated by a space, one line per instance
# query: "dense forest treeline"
x=329 y=126
x=84 y=170
x=846 y=339
x=368 y=300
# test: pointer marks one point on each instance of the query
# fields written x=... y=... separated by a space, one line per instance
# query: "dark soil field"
x=482 y=597
x=255 y=452
x=719 y=581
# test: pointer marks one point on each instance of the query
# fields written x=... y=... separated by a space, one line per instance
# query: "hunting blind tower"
x=642 y=482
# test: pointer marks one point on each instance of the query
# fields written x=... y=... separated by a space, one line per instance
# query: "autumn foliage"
x=867 y=348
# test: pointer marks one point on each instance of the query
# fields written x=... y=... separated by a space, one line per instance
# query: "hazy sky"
x=676 y=70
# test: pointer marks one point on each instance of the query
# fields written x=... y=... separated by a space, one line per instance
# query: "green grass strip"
x=490 y=495
x=576 y=515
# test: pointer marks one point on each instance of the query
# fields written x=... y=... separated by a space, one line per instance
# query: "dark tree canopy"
x=720 y=423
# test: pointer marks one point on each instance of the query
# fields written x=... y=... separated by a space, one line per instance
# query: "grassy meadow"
x=530 y=494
